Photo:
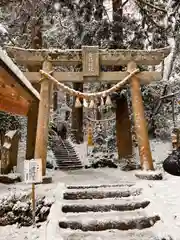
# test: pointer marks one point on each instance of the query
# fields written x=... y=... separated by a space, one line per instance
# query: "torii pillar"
x=140 y=121
x=43 y=118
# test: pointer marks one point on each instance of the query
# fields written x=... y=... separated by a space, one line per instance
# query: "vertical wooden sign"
x=90 y=61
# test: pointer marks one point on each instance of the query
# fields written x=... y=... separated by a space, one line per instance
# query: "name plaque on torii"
x=90 y=61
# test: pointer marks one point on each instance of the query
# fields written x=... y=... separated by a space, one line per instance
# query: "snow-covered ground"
x=164 y=196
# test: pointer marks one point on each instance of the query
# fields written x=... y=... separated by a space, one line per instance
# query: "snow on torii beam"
x=16 y=92
x=107 y=57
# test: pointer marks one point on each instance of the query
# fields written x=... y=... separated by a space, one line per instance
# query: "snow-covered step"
x=69 y=167
x=72 y=163
x=103 y=216
x=101 y=223
x=66 y=157
x=144 y=234
x=105 y=205
x=66 y=161
x=74 y=194
x=128 y=184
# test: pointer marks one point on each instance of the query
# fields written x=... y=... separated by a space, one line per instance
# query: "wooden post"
x=36 y=43
x=90 y=143
x=68 y=99
x=33 y=205
x=77 y=117
x=140 y=122
x=123 y=128
x=55 y=100
x=31 y=130
x=43 y=118
x=51 y=103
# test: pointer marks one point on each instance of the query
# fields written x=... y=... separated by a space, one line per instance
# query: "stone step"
x=67 y=156
x=70 y=149
x=70 y=162
x=68 y=159
x=68 y=144
x=103 y=216
x=101 y=193
x=70 y=167
x=67 y=149
x=144 y=234
x=105 y=205
x=128 y=184
x=101 y=223
x=67 y=165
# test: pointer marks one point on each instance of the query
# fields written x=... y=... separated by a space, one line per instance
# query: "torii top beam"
x=119 y=57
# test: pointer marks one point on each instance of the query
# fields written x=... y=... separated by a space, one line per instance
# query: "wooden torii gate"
x=91 y=58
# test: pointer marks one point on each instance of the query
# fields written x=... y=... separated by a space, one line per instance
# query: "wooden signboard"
x=33 y=171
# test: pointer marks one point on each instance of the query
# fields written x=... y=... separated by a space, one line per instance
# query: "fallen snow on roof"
x=10 y=64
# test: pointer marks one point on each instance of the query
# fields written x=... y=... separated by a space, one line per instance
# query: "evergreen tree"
x=71 y=24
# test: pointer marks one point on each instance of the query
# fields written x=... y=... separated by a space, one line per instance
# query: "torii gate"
x=91 y=58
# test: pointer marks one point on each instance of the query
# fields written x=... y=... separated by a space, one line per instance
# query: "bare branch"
x=62 y=24
x=147 y=15
x=124 y=3
x=170 y=95
x=152 y=6
x=106 y=13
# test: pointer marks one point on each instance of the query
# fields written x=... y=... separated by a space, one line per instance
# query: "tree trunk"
x=77 y=118
x=117 y=28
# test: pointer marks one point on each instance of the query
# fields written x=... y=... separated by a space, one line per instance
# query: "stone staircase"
x=104 y=212
x=66 y=157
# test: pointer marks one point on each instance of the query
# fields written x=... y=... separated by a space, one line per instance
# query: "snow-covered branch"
x=152 y=6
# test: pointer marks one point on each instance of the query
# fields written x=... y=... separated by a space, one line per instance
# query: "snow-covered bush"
x=17 y=209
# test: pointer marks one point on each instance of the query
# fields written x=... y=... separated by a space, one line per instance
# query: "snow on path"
x=165 y=198
x=164 y=195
